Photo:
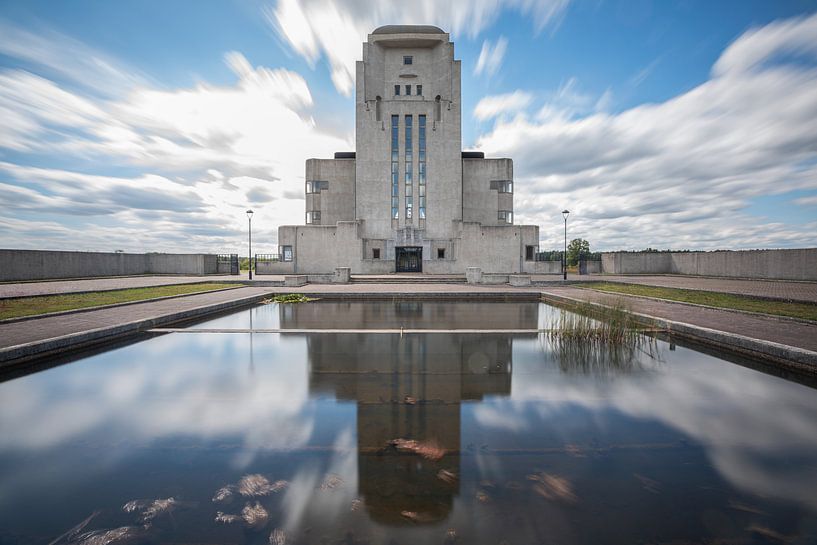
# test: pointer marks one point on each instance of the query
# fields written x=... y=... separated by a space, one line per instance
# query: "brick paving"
x=787 y=332
x=53 y=287
x=49 y=327
x=774 y=289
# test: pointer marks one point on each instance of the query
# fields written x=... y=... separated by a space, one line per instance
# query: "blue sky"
x=152 y=125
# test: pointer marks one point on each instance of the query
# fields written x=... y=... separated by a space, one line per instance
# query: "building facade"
x=409 y=199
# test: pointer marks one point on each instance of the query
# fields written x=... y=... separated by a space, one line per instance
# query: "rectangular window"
x=440 y=253
x=375 y=253
x=529 y=253
x=409 y=177
x=505 y=216
x=395 y=169
x=408 y=90
x=419 y=90
x=287 y=251
x=421 y=165
x=316 y=186
x=397 y=90
x=408 y=59
x=502 y=186
x=313 y=217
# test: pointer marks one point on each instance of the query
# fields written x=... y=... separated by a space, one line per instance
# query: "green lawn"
x=28 y=306
x=804 y=311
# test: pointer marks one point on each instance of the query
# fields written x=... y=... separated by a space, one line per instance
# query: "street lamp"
x=249 y=219
x=565 y=213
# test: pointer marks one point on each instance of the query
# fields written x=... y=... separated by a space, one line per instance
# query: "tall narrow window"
x=408 y=90
x=397 y=90
x=395 y=173
x=421 y=173
x=377 y=108
x=409 y=168
x=419 y=90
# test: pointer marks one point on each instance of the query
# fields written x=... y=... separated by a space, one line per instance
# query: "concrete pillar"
x=342 y=275
x=473 y=275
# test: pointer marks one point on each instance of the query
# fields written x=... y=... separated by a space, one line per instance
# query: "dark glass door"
x=409 y=259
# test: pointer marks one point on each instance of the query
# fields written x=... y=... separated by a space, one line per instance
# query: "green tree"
x=576 y=250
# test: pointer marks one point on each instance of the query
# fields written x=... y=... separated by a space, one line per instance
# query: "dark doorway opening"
x=409 y=259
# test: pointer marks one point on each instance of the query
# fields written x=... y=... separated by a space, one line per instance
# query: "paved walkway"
x=787 y=332
x=778 y=289
x=119 y=318
x=775 y=289
x=53 y=287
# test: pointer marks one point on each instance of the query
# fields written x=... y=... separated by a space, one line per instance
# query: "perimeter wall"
x=47 y=264
x=800 y=264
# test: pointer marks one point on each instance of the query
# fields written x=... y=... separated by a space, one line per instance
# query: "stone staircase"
x=408 y=279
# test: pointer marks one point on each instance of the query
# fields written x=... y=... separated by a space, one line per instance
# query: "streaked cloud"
x=496 y=105
x=680 y=173
x=335 y=29
x=490 y=57
x=201 y=155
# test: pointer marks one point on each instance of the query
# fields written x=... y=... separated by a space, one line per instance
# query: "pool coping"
x=784 y=356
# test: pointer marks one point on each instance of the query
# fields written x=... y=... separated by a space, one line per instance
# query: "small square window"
x=408 y=89
x=440 y=253
x=408 y=59
x=375 y=253
x=397 y=90
x=419 y=90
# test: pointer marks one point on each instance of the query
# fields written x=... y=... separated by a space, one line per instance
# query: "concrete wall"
x=46 y=264
x=337 y=203
x=480 y=203
x=800 y=264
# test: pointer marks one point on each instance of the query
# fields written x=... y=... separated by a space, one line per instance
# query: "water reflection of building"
x=408 y=386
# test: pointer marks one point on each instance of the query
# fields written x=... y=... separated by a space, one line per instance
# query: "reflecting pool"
x=377 y=437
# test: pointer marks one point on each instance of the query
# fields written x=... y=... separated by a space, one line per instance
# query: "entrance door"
x=409 y=259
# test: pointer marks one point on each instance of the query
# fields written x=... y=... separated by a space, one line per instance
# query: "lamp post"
x=565 y=213
x=249 y=219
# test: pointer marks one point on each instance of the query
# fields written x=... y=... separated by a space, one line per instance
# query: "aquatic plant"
x=592 y=338
x=289 y=298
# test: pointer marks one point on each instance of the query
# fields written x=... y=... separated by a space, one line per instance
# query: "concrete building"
x=409 y=199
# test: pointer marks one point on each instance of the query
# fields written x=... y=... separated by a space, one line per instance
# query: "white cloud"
x=806 y=201
x=336 y=28
x=490 y=57
x=679 y=173
x=201 y=156
x=496 y=105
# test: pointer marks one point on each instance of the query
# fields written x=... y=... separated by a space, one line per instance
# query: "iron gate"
x=409 y=259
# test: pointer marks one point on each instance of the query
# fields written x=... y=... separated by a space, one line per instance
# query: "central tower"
x=409 y=141
x=408 y=199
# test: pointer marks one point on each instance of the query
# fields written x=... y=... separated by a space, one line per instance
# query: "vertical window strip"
x=409 y=178
x=395 y=171
x=421 y=174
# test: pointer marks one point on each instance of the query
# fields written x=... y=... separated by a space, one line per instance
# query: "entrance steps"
x=407 y=279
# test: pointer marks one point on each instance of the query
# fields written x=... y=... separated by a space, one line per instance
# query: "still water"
x=495 y=438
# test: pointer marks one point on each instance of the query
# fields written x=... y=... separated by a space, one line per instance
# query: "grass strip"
x=30 y=306
x=804 y=311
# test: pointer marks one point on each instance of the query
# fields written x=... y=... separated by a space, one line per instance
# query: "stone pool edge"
x=778 y=354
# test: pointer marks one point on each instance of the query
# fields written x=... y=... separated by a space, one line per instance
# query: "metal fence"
x=267 y=258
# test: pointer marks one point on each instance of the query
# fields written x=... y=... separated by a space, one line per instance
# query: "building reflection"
x=410 y=387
